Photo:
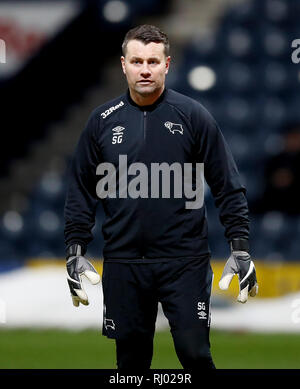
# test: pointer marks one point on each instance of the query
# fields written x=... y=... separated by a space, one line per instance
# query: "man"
x=156 y=247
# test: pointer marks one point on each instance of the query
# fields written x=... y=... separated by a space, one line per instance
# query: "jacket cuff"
x=239 y=244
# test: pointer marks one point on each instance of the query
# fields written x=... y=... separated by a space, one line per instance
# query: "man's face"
x=145 y=67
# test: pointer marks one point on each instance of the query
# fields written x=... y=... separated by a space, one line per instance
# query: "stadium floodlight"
x=115 y=11
x=202 y=78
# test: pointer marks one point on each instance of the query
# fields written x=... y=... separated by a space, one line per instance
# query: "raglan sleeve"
x=81 y=197
x=222 y=176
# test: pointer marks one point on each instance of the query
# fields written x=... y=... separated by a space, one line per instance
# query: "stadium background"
x=62 y=60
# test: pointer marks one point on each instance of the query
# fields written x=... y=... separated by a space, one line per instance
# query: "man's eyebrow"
x=149 y=59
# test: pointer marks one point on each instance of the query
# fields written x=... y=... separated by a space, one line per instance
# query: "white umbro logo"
x=174 y=127
x=202 y=315
x=117 y=134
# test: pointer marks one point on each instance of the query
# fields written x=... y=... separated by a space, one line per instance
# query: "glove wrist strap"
x=239 y=244
x=74 y=250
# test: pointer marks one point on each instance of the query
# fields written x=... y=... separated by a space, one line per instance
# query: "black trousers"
x=131 y=295
x=192 y=348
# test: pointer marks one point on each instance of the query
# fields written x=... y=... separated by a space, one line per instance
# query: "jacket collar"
x=146 y=107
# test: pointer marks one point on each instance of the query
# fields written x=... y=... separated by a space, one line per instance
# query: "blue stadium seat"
x=273 y=111
x=238 y=111
x=272 y=235
x=293 y=103
x=278 y=12
x=238 y=77
x=50 y=190
x=245 y=14
x=206 y=49
x=240 y=44
x=275 y=42
x=274 y=76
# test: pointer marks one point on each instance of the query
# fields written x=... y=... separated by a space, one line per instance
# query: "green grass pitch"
x=59 y=349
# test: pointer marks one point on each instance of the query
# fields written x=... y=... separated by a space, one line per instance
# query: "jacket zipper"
x=144 y=120
x=144 y=134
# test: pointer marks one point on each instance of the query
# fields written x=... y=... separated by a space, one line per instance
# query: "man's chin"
x=145 y=90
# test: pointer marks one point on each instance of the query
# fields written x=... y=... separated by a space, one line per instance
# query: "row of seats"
x=239 y=77
x=266 y=241
x=250 y=44
x=245 y=77
x=39 y=231
x=279 y=12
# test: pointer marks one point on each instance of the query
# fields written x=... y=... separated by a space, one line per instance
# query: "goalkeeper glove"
x=240 y=263
x=78 y=266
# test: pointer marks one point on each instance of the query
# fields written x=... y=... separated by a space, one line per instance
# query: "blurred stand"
x=232 y=56
x=45 y=103
x=282 y=176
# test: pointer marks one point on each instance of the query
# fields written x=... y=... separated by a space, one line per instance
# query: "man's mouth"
x=145 y=82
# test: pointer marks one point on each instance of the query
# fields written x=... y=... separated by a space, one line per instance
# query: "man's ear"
x=168 y=60
x=123 y=64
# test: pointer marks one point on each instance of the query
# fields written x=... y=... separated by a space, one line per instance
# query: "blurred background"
x=61 y=61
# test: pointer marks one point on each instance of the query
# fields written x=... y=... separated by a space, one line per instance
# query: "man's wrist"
x=239 y=244
x=74 y=250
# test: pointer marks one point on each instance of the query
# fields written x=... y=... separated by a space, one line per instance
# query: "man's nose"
x=145 y=72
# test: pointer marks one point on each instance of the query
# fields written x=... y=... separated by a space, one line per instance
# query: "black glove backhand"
x=78 y=266
x=240 y=263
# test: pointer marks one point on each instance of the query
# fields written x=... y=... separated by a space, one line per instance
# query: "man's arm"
x=81 y=199
x=80 y=210
x=222 y=176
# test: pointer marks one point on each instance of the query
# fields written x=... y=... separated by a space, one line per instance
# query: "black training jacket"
x=175 y=129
